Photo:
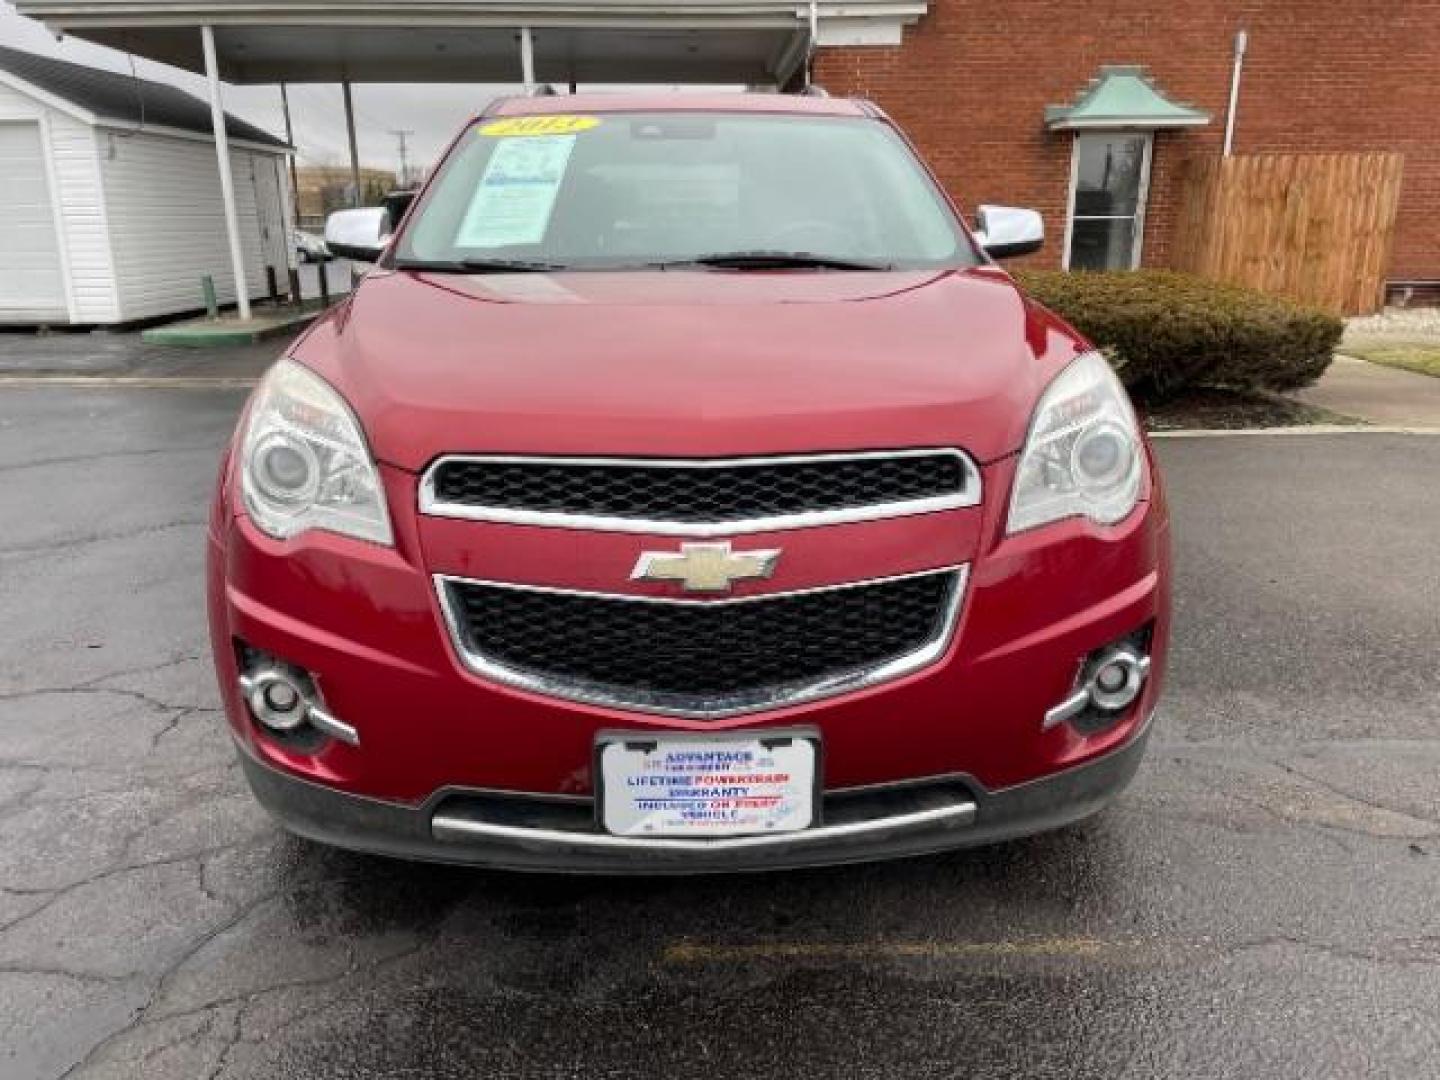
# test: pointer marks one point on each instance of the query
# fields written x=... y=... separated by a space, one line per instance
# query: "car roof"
x=680 y=101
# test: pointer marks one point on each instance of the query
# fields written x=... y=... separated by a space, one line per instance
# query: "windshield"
x=641 y=189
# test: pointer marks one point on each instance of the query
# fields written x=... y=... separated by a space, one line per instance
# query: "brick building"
x=972 y=83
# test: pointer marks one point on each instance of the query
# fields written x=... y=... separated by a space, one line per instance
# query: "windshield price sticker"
x=514 y=199
x=538 y=125
x=720 y=788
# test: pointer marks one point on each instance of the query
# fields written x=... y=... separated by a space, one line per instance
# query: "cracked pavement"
x=1260 y=903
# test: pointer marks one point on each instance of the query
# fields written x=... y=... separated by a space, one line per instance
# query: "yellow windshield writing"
x=538 y=125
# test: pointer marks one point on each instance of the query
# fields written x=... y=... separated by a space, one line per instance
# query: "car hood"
x=688 y=363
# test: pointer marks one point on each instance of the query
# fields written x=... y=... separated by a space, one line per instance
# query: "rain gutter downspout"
x=1242 y=39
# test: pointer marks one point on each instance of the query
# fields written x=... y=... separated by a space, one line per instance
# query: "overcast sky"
x=431 y=111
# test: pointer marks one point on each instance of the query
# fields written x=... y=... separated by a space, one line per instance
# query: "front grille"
x=702 y=658
x=730 y=495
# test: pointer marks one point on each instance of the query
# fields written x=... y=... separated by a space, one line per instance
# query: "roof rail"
x=814 y=90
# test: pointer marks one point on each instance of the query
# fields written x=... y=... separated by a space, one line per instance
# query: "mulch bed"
x=1230 y=409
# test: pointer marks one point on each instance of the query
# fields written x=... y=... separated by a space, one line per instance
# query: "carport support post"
x=354 y=149
x=527 y=59
x=227 y=183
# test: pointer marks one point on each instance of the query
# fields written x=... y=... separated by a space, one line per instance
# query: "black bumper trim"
x=405 y=831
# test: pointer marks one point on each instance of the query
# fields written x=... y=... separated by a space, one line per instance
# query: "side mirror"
x=358 y=234
x=1004 y=231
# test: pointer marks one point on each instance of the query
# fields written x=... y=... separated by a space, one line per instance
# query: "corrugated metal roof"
x=112 y=95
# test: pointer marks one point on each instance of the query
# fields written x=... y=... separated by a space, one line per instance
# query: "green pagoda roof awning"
x=1123 y=96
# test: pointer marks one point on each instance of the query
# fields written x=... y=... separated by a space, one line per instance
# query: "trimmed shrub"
x=1166 y=331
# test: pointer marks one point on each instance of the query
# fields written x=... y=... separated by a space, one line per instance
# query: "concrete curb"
x=204 y=334
x=1304 y=429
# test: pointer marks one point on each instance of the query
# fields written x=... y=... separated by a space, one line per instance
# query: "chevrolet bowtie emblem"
x=705 y=567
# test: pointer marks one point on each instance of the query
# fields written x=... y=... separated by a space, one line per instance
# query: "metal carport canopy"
x=592 y=41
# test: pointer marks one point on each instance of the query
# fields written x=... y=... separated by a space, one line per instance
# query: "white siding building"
x=111 y=197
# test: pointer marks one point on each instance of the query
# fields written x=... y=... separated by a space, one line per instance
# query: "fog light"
x=1109 y=683
x=1110 y=678
x=281 y=696
x=1117 y=680
x=283 y=699
x=275 y=697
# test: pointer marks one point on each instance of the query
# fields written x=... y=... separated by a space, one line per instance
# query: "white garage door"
x=32 y=286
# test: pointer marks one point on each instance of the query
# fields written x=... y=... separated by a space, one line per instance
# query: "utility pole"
x=400 y=137
x=290 y=138
x=294 y=200
x=358 y=198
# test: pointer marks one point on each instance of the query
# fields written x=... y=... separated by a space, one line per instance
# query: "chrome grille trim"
x=736 y=704
x=433 y=506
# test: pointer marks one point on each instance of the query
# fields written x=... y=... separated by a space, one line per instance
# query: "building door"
x=1109 y=178
x=270 y=213
x=32 y=277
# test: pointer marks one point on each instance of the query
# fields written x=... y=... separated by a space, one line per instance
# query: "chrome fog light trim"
x=282 y=699
x=337 y=729
x=1117 y=679
x=1112 y=684
x=275 y=697
x=1068 y=709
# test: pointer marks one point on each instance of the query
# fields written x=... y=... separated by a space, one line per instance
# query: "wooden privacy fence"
x=1313 y=227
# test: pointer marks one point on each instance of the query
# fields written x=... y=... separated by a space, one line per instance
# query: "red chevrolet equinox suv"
x=686 y=489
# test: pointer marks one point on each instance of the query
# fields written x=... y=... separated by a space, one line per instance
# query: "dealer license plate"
x=707 y=787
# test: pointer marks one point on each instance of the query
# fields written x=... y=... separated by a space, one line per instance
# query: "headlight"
x=1082 y=457
x=304 y=463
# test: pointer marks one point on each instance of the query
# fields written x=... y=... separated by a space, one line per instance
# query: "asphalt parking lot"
x=1261 y=903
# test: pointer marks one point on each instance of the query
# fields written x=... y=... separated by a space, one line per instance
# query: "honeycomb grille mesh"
x=699 y=657
x=698 y=493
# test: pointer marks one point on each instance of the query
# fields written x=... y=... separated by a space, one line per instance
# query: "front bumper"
x=936 y=814
x=366 y=623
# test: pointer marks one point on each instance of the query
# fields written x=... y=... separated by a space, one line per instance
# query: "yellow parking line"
x=1071 y=948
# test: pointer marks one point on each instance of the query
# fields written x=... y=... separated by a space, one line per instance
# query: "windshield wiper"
x=774 y=260
x=477 y=266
